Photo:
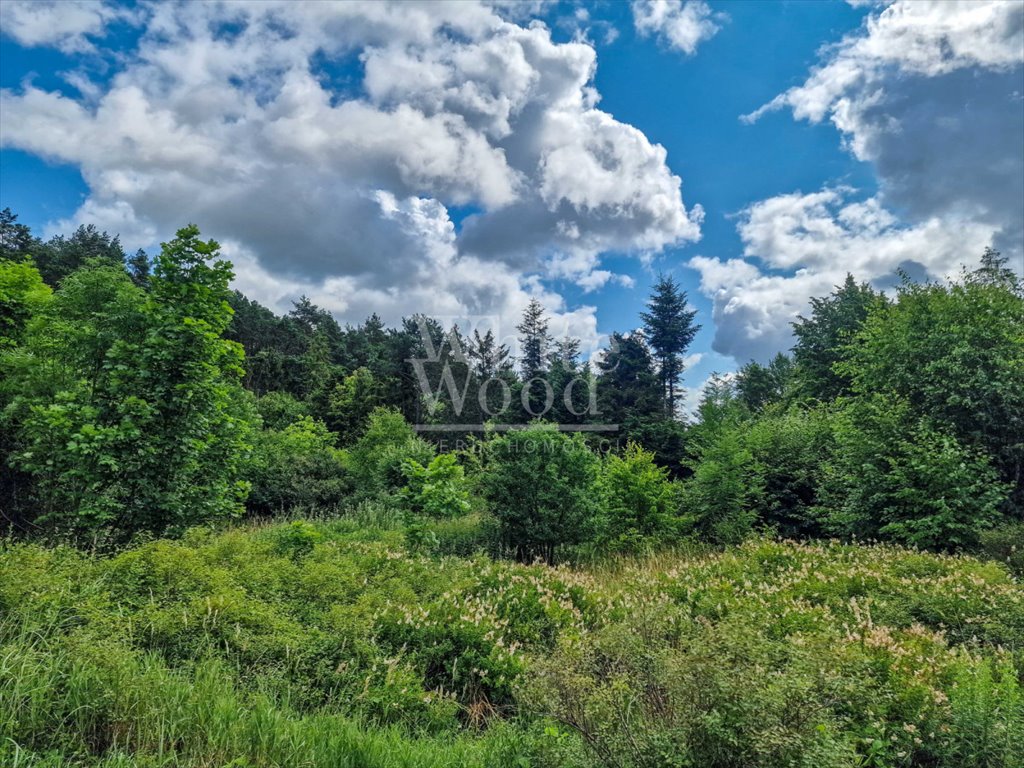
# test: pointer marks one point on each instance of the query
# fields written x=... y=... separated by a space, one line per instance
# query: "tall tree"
x=535 y=341
x=761 y=385
x=60 y=256
x=670 y=330
x=823 y=339
x=489 y=357
x=16 y=239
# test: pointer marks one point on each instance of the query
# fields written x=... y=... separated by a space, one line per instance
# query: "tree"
x=139 y=268
x=489 y=357
x=22 y=295
x=761 y=385
x=60 y=256
x=16 y=241
x=131 y=416
x=904 y=478
x=824 y=339
x=535 y=341
x=541 y=487
x=670 y=330
x=954 y=354
x=638 y=502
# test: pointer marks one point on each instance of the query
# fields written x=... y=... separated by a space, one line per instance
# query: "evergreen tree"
x=489 y=357
x=535 y=341
x=60 y=256
x=139 y=268
x=670 y=330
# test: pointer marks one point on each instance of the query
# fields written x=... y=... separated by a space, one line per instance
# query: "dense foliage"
x=652 y=618
x=331 y=644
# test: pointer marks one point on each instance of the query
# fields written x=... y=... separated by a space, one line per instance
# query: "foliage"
x=905 y=479
x=376 y=459
x=22 y=295
x=279 y=409
x=638 y=502
x=824 y=339
x=327 y=644
x=437 y=490
x=720 y=495
x=129 y=416
x=297 y=467
x=670 y=329
x=541 y=487
x=955 y=355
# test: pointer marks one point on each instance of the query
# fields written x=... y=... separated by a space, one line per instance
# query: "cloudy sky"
x=457 y=158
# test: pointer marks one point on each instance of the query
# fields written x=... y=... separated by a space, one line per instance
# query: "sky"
x=460 y=158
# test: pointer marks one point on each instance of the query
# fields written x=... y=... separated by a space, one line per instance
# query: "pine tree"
x=534 y=342
x=670 y=330
x=489 y=357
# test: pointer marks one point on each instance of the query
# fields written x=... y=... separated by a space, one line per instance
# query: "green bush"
x=279 y=409
x=903 y=479
x=540 y=484
x=377 y=458
x=437 y=490
x=639 y=503
x=297 y=467
x=721 y=495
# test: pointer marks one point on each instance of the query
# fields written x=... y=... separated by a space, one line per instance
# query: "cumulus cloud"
x=326 y=144
x=802 y=245
x=65 y=24
x=931 y=93
x=682 y=26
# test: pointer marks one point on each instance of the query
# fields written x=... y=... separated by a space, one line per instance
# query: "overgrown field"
x=331 y=644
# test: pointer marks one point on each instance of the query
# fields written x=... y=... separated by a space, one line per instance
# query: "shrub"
x=720 y=494
x=279 y=409
x=638 y=501
x=901 y=478
x=540 y=484
x=297 y=467
x=376 y=459
x=437 y=490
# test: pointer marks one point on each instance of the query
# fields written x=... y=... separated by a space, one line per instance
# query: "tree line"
x=142 y=395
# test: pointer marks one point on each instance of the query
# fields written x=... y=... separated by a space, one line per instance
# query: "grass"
x=328 y=643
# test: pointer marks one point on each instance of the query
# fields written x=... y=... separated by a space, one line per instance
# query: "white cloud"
x=932 y=93
x=681 y=25
x=797 y=246
x=234 y=115
x=65 y=24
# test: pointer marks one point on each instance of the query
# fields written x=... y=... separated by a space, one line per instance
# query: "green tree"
x=297 y=467
x=540 y=484
x=899 y=477
x=60 y=256
x=639 y=503
x=823 y=340
x=954 y=354
x=535 y=341
x=131 y=416
x=669 y=327
x=378 y=456
x=16 y=241
x=761 y=385
x=22 y=295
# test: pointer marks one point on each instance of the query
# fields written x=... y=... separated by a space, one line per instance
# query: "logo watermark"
x=476 y=390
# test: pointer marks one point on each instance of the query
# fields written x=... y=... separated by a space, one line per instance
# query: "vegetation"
x=239 y=539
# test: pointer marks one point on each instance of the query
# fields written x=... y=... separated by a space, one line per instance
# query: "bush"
x=438 y=490
x=638 y=502
x=279 y=409
x=297 y=467
x=540 y=484
x=720 y=496
x=900 y=478
x=376 y=459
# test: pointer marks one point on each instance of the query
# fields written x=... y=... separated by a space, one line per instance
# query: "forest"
x=238 y=538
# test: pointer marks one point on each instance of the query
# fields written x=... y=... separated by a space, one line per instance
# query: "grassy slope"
x=330 y=645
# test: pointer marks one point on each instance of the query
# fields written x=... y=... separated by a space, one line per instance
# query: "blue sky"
x=494 y=167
